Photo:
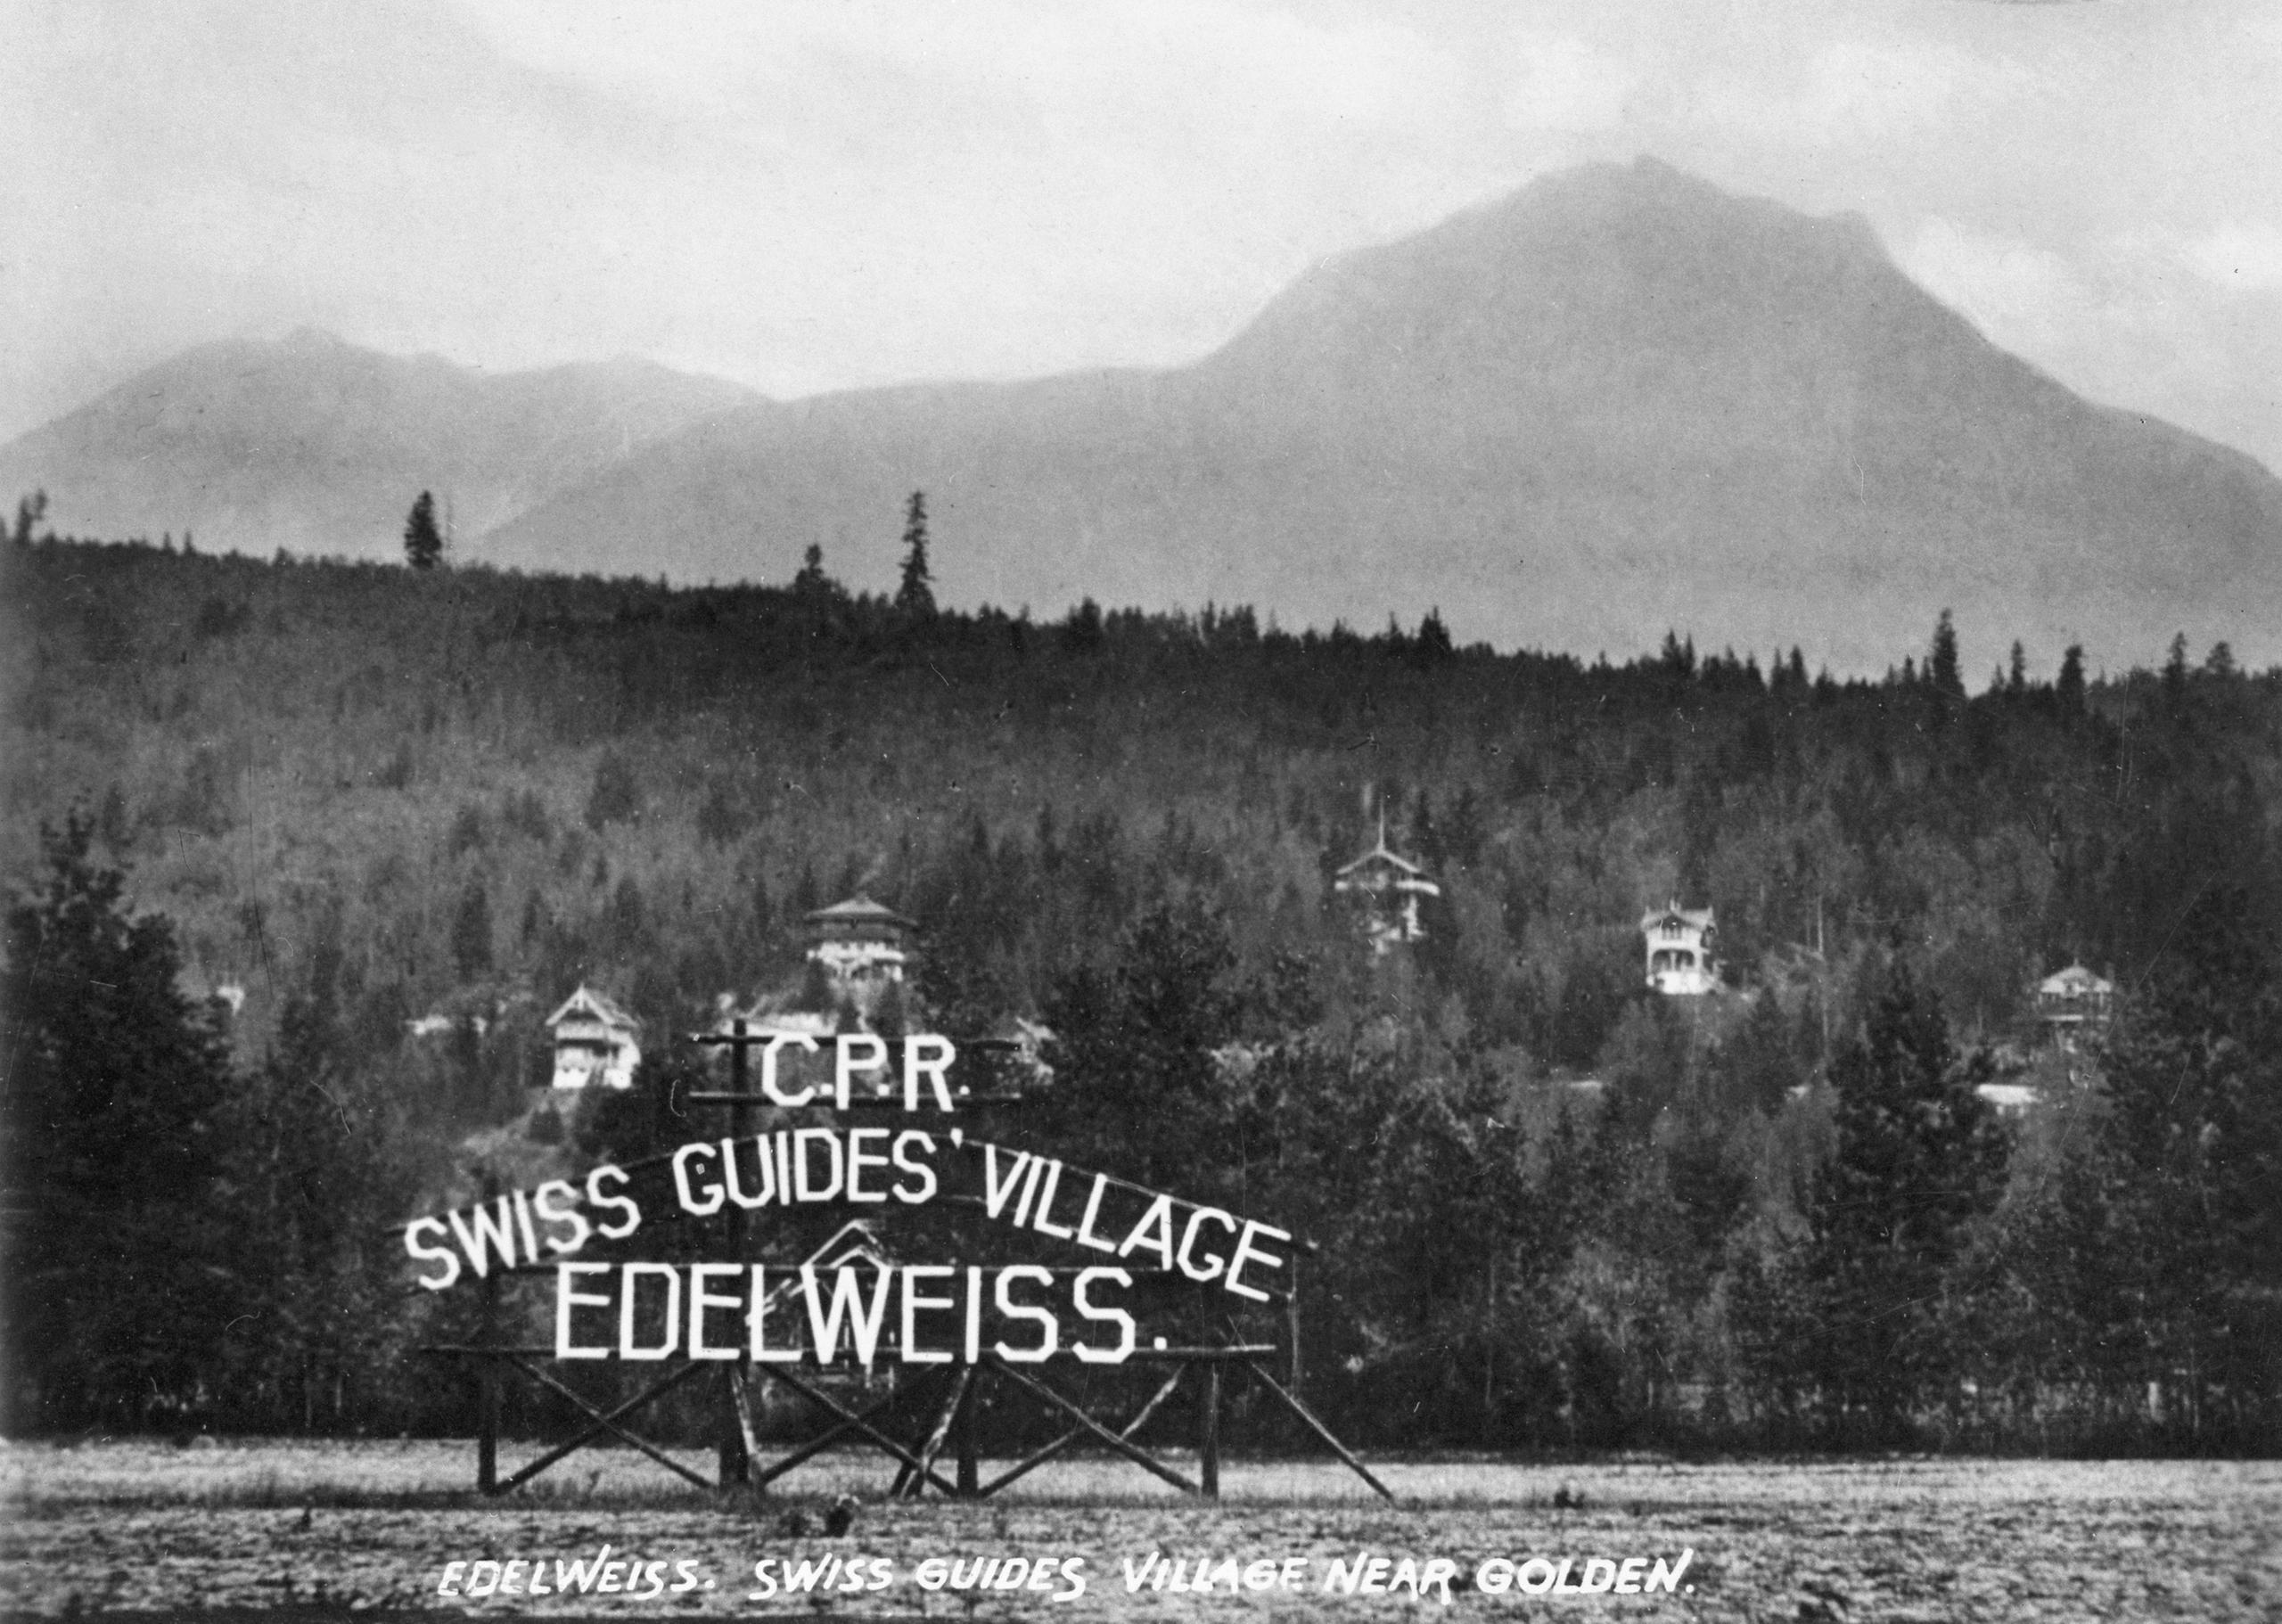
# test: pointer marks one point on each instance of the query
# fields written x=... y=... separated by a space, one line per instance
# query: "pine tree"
x=319 y=1189
x=2185 y=1286
x=1942 y=669
x=1083 y=631
x=423 y=543
x=471 y=934
x=29 y=511
x=812 y=584
x=109 y=1107
x=1917 y=1160
x=914 y=595
x=1142 y=1095
x=2175 y=667
x=2069 y=689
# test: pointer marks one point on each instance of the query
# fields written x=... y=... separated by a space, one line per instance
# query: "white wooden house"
x=1389 y=886
x=859 y=950
x=2072 y=1001
x=864 y=947
x=595 y=1042
x=1680 y=943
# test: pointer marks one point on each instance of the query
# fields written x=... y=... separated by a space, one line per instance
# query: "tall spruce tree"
x=812 y=584
x=1941 y=668
x=1917 y=1160
x=471 y=932
x=423 y=543
x=914 y=595
x=319 y=1188
x=2069 y=688
x=110 y=1104
x=2189 y=1270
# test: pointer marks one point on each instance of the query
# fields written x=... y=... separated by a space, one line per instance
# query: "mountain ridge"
x=1616 y=400
x=312 y=444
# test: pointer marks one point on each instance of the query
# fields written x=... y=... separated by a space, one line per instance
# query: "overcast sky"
x=807 y=197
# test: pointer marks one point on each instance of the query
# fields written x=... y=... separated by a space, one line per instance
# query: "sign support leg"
x=486 y=1379
x=1291 y=1402
x=962 y=1443
x=734 y=1456
x=1208 y=1453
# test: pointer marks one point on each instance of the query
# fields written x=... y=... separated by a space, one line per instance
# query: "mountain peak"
x=1615 y=401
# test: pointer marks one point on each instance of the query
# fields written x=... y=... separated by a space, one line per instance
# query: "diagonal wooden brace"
x=763 y=1477
x=1139 y=1457
x=906 y=1481
x=863 y=1428
x=603 y=1424
x=1291 y=1402
x=1036 y=1458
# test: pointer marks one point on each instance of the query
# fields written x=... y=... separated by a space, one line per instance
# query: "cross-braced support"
x=947 y=1399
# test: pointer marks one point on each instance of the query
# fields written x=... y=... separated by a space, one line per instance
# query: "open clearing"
x=144 y=1527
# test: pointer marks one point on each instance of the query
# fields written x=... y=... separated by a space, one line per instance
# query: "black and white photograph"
x=1163 y=809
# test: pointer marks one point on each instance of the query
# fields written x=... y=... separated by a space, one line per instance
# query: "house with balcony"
x=1679 y=945
x=1388 y=887
x=596 y=1042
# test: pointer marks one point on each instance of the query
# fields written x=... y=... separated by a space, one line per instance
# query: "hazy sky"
x=806 y=197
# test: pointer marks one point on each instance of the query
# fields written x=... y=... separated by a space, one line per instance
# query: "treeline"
x=1550 y=1207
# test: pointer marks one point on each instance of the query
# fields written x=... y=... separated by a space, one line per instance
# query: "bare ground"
x=341 y=1527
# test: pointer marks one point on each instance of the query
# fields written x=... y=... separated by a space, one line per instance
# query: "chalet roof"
x=859 y=910
x=1383 y=856
x=596 y=1006
x=2074 y=982
x=1379 y=855
x=1701 y=918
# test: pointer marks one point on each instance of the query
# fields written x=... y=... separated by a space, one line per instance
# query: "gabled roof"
x=859 y=910
x=2074 y=982
x=1701 y=918
x=589 y=1003
x=1379 y=855
x=1382 y=855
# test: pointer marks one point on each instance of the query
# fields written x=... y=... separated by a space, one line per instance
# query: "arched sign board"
x=847 y=1306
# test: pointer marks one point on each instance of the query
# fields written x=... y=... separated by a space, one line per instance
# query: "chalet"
x=1389 y=887
x=2072 y=1002
x=593 y=1042
x=864 y=947
x=1680 y=950
x=859 y=951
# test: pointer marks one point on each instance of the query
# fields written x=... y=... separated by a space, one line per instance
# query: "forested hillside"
x=1588 y=1215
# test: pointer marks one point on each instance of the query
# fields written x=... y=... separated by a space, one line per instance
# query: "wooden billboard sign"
x=854 y=1302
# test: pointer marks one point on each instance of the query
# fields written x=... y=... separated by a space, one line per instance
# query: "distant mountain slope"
x=314 y=444
x=1617 y=401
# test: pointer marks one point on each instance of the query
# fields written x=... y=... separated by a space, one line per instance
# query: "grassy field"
x=342 y=1528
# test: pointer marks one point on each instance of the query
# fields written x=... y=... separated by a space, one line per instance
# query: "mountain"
x=316 y=446
x=1616 y=401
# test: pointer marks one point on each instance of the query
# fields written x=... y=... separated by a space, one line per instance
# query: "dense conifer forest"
x=1550 y=1208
